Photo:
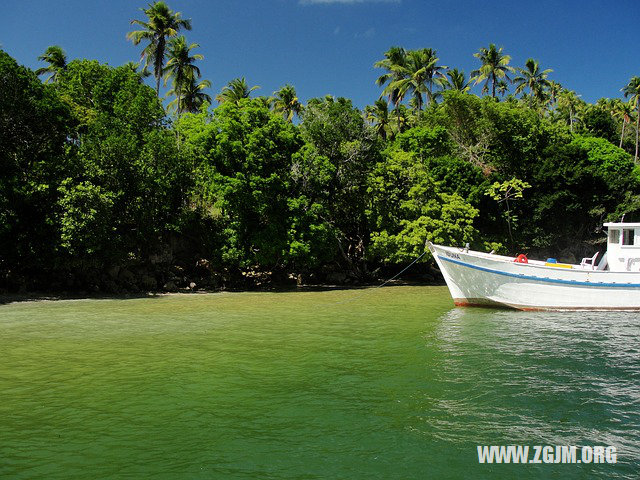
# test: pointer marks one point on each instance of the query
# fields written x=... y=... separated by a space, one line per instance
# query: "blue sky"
x=329 y=46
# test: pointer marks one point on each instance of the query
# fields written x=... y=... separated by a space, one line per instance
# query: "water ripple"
x=394 y=384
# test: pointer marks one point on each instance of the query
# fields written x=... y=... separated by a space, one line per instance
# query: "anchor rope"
x=368 y=290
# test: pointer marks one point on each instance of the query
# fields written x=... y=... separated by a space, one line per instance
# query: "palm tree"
x=133 y=66
x=495 y=67
x=378 y=116
x=623 y=111
x=457 y=81
x=571 y=104
x=554 y=89
x=394 y=62
x=502 y=87
x=192 y=96
x=632 y=89
x=235 y=90
x=552 y=95
x=607 y=104
x=181 y=67
x=163 y=24
x=56 y=57
x=533 y=78
x=417 y=77
x=401 y=119
x=285 y=102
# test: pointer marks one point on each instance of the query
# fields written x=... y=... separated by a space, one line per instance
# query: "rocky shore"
x=199 y=275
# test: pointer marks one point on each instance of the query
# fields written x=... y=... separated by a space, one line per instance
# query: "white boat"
x=602 y=282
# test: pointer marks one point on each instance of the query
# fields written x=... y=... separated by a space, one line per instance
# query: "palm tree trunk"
x=635 y=159
x=159 y=62
x=570 y=120
x=179 y=112
x=622 y=134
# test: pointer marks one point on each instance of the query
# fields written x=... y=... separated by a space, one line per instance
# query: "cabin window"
x=627 y=236
x=614 y=237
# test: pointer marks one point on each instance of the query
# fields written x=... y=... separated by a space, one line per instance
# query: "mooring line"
x=368 y=290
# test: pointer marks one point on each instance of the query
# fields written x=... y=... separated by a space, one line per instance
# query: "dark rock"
x=147 y=282
x=164 y=256
x=113 y=271
x=126 y=277
x=110 y=287
x=170 y=287
x=336 y=277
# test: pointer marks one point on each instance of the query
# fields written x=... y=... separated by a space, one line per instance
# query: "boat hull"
x=480 y=279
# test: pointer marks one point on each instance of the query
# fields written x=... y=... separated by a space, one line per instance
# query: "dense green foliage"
x=243 y=155
x=101 y=189
x=34 y=122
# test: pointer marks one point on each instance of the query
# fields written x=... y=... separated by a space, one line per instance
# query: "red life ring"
x=522 y=258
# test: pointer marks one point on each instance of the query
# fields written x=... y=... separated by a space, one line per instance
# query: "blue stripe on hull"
x=542 y=279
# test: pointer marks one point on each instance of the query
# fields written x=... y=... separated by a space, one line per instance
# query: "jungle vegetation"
x=103 y=187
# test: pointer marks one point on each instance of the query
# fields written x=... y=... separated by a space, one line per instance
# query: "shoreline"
x=11 y=298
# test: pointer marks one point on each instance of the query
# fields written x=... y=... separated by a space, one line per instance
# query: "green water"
x=389 y=383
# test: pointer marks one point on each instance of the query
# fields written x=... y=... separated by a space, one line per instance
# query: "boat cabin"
x=623 y=247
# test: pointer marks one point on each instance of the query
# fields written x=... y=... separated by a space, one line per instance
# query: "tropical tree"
x=378 y=116
x=245 y=156
x=34 y=126
x=533 y=78
x=457 y=81
x=495 y=67
x=607 y=104
x=394 y=63
x=554 y=89
x=505 y=191
x=599 y=120
x=632 y=89
x=56 y=57
x=235 y=90
x=402 y=119
x=134 y=66
x=407 y=207
x=162 y=24
x=285 y=102
x=569 y=104
x=623 y=111
x=552 y=98
x=333 y=168
x=417 y=77
x=192 y=95
x=502 y=87
x=181 y=68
